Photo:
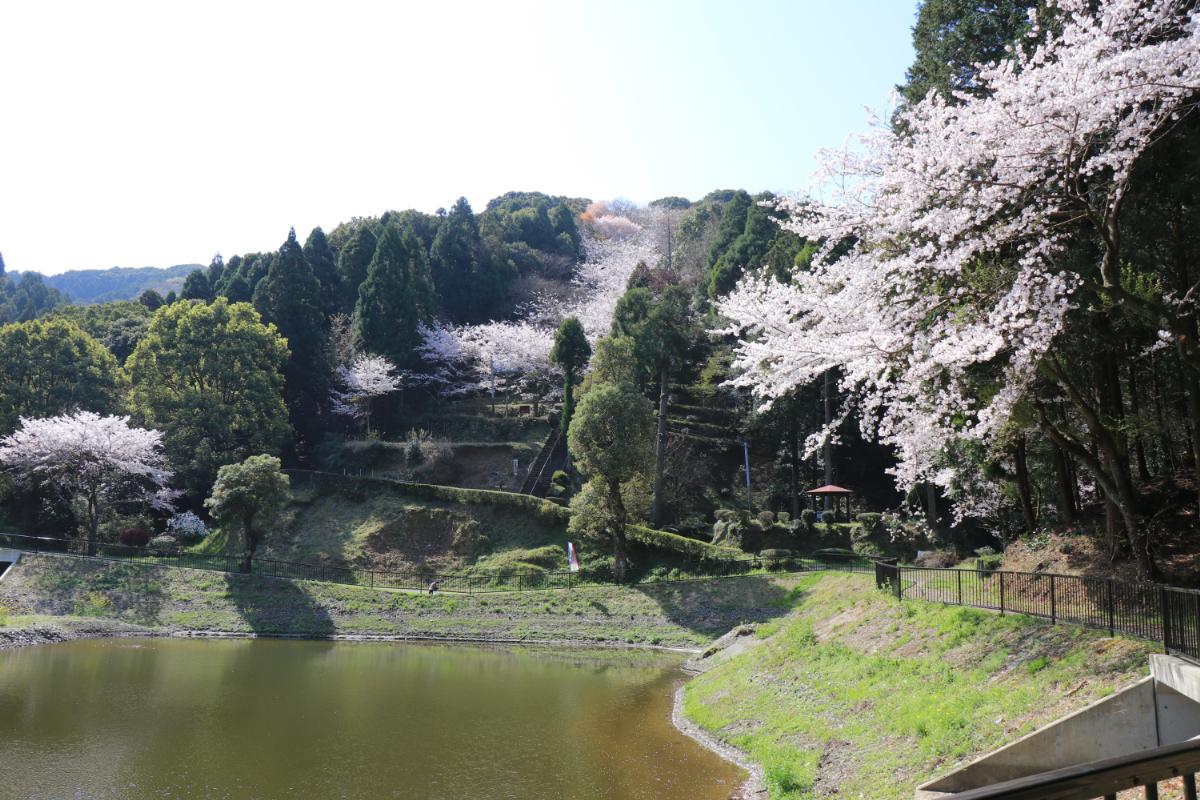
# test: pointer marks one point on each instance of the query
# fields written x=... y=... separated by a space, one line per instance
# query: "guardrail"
x=1167 y=614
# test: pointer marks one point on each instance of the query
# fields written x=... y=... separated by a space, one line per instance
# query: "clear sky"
x=161 y=133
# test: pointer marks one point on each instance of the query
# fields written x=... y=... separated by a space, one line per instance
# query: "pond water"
x=127 y=719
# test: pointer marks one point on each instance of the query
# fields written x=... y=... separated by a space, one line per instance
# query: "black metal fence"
x=419 y=579
x=1148 y=611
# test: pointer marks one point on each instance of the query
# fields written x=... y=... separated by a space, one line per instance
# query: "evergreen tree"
x=571 y=351
x=216 y=272
x=151 y=299
x=320 y=258
x=195 y=287
x=352 y=266
x=395 y=298
x=952 y=36
x=171 y=298
x=290 y=298
x=466 y=280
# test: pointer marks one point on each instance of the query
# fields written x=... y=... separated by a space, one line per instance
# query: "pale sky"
x=161 y=133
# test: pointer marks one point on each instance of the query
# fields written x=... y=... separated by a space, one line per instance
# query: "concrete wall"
x=1162 y=708
x=1119 y=724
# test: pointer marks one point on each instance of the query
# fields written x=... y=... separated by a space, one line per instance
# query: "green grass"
x=686 y=614
x=877 y=696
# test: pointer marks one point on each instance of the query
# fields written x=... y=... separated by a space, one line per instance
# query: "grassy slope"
x=382 y=528
x=43 y=589
x=858 y=695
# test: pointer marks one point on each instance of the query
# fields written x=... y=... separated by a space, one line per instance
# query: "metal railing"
x=420 y=579
x=1096 y=779
x=1167 y=614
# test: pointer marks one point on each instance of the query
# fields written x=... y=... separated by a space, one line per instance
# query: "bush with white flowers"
x=187 y=528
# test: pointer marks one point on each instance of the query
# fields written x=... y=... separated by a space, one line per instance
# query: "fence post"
x=371 y=572
x=1001 y=574
x=568 y=579
x=899 y=591
x=959 y=574
x=1112 y=611
x=1166 y=618
x=1053 y=605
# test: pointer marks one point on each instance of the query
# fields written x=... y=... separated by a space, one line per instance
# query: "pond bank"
x=855 y=694
x=86 y=597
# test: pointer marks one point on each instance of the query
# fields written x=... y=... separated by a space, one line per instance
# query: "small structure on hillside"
x=834 y=494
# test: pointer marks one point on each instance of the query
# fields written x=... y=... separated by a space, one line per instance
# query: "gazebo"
x=835 y=493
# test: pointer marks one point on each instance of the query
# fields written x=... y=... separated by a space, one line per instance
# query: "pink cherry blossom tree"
x=951 y=263
x=93 y=461
x=365 y=379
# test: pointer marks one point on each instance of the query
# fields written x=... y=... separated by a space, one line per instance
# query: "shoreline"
x=17 y=638
x=755 y=786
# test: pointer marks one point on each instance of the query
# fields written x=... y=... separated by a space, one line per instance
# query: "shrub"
x=867 y=549
x=985 y=551
x=989 y=563
x=828 y=517
x=783 y=518
x=163 y=542
x=134 y=537
x=766 y=519
x=871 y=522
x=938 y=558
x=808 y=518
x=187 y=528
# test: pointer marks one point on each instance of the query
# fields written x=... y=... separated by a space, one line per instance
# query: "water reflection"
x=280 y=719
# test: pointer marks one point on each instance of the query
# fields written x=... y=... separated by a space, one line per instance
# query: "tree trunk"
x=568 y=406
x=1139 y=447
x=618 y=533
x=1022 y=470
x=660 y=452
x=93 y=510
x=1064 y=486
x=931 y=507
x=251 y=543
x=794 y=447
x=827 y=449
x=1164 y=435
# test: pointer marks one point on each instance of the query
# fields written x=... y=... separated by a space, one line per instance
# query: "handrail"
x=1103 y=778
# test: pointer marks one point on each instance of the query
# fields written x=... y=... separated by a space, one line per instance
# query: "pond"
x=134 y=719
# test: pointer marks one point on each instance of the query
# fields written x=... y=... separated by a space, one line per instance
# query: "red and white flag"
x=572 y=557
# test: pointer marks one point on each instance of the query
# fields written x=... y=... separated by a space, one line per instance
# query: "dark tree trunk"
x=1064 y=484
x=1023 y=488
x=660 y=451
x=794 y=448
x=93 y=510
x=618 y=532
x=1164 y=435
x=251 y=544
x=1139 y=447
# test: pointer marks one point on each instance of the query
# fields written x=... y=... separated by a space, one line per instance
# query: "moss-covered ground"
x=854 y=694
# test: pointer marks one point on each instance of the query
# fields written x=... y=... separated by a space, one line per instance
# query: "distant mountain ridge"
x=86 y=286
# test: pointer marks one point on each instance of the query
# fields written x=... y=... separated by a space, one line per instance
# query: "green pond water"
x=132 y=719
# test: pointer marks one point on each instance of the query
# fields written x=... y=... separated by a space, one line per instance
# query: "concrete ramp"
x=1161 y=709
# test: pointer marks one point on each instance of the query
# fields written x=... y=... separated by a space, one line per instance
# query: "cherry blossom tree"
x=955 y=253
x=365 y=379
x=93 y=461
x=520 y=350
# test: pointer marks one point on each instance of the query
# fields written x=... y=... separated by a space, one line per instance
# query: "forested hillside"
x=988 y=331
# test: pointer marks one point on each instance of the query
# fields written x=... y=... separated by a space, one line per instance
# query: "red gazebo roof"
x=830 y=489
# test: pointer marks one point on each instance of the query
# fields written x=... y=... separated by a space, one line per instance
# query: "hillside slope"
x=71 y=594
x=856 y=695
